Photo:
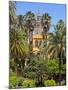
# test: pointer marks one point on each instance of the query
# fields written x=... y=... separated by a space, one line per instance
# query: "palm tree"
x=18 y=38
x=18 y=46
x=56 y=47
x=30 y=21
x=46 y=23
x=12 y=20
x=21 y=21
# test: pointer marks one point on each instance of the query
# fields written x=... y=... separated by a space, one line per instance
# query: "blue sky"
x=56 y=11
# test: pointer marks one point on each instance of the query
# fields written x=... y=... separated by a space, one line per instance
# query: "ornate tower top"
x=38 y=27
x=38 y=17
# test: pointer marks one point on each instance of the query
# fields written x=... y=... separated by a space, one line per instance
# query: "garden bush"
x=49 y=83
x=12 y=79
x=28 y=83
x=15 y=82
x=53 y=67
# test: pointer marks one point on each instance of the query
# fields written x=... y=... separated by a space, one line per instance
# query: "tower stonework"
x=37 y=35
x=38 y=29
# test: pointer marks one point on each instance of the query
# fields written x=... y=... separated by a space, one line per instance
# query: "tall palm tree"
x=58 y=37
x=18 y=39
x=46 y=23
x=22 y=28
x=56 y=47
x=21 y=21
x=12 y=20
x=30 y=21
x=18 y=46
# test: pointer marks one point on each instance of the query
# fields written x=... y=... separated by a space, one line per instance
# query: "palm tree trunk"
x=30 y=43
x=45 y=45
x=60 y=65
x=22 y=67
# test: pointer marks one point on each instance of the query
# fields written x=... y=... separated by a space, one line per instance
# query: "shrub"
x=28 y=83
x=12 y=81
x=36 y=69
x=20 y=81
x=49 y=83
x=15 y=82
x=52 y=67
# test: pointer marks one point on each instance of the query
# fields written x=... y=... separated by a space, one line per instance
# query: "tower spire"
x=38 y=12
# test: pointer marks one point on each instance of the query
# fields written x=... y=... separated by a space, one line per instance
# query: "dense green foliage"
x=12 y=79
x=28 y=83
x=52 y=67
x=49 y=83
